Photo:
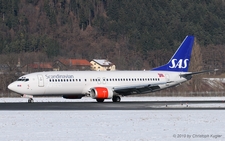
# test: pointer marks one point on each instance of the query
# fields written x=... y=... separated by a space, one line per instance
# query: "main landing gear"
x=116 y=98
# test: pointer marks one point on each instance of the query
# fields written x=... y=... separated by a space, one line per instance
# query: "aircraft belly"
x=63 y=89
x=35 y=91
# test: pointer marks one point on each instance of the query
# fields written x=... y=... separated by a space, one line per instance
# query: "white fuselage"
x=102 y=85
x=80 y=82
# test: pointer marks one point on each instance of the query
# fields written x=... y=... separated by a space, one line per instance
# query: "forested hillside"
x=130 y=33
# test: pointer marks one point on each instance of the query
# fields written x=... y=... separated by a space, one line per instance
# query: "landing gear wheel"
x=100 y=100
x=30 y=100
x=116 y=98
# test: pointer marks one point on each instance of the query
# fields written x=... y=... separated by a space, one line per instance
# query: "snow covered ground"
x=111 y=125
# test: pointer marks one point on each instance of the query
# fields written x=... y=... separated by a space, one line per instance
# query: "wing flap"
x=138 y=89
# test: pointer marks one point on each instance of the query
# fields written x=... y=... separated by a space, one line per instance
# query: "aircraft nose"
x=10 y=86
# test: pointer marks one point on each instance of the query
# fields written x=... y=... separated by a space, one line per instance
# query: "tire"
x=30 y=100
x=116 y=98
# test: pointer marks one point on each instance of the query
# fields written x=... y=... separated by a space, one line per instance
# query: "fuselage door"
x=167 y=79
x=40 y=80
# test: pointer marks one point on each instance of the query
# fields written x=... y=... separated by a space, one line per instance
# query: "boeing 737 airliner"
x=101 y=85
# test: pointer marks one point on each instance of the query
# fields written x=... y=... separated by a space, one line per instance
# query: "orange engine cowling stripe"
x=101 y=92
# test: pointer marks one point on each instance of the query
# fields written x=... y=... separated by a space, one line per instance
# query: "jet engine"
x=101 y=93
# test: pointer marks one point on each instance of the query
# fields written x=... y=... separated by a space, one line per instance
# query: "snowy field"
x=111 y=125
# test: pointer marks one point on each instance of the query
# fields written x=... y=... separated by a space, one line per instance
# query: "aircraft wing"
x=137 y=89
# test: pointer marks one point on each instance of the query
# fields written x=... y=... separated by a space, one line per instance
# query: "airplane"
x=101 y=85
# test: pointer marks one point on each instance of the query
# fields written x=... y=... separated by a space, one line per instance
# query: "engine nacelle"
x=101 y=93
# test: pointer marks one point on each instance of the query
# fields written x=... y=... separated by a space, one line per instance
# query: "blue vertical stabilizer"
x=181 y=59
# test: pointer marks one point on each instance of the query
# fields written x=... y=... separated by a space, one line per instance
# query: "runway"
x=128 y=105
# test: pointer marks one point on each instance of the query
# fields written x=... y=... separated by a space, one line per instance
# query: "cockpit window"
x=23 y=79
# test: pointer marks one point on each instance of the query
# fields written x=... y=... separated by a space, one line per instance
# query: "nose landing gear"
x=30 y=100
